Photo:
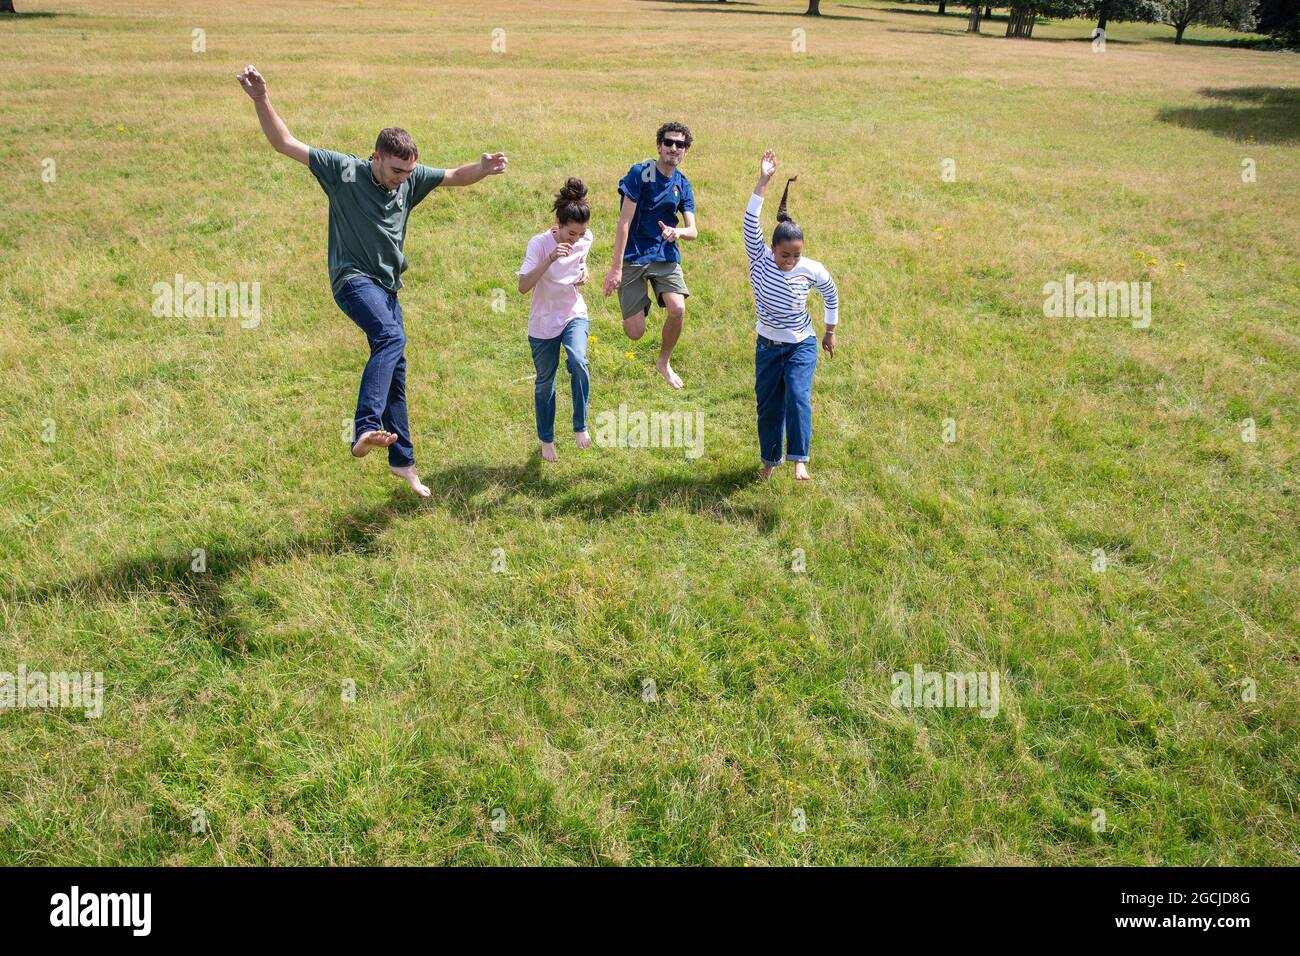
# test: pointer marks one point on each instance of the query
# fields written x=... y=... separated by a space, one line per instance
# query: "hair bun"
x=574 y=190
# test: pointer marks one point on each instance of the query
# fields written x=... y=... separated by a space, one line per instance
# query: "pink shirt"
x=556 y=298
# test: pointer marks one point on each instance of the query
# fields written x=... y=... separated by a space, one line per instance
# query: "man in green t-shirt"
x=370 y=203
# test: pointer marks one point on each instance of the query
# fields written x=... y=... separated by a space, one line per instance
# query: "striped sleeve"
x=825 y=285
x=755 y=247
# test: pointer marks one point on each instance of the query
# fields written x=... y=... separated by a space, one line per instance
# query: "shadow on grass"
x=958 y=27
x=938 y=31
x=1240 y=43
x=34 y=15
x=477 y=491
x=713 y=6
x=202 y=594
x=1268 y=114
x=472 y=490
x=963 y=14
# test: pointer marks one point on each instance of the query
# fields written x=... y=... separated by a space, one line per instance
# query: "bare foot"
x=583 y=439
x=369 y=440
x=767 y=471
x=667 y=372
x=408 y=475
x=801 y=471
x=548 y=451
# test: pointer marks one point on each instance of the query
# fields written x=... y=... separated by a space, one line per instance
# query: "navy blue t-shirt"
x=657 y=197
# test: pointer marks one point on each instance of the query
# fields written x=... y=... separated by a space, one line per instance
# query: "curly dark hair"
x=673 y=128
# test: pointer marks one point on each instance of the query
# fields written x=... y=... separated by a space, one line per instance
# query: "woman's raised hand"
x=767 y=166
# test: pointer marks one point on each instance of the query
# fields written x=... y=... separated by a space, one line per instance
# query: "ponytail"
x=786 y=228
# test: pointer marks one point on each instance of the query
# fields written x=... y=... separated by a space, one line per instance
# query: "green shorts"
x=638 y=278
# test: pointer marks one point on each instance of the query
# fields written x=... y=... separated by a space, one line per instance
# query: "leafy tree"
x=1025 y=13
x=1280 y=19
x=1180 y=14
x=1123 y=11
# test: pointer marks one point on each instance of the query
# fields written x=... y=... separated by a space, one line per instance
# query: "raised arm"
x=277 y=134
x=755 y=247
x=489 y=164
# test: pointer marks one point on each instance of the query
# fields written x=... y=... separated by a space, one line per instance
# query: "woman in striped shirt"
x=785 y=354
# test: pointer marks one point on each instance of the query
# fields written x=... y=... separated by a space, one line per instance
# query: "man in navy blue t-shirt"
x=658 y=208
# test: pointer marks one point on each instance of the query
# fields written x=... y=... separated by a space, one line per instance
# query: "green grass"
x=522 y=690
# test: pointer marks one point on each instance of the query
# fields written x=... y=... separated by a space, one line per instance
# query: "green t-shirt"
x=367 y=222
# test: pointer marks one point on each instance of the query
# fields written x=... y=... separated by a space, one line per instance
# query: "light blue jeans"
x=546 y=359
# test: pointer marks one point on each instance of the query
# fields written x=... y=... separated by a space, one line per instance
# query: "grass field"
x=130 y=441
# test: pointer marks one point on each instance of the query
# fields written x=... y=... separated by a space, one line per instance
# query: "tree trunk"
x=7 y=6
x=973 y=24
x=1101 y=20
x=988 y=12
x=814 y=8
x=943 y=7
x=1020 y=22
x=1178 y=35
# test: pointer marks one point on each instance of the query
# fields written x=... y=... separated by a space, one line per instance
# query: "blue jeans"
x=783 y=377
x=381 y=402
x=546 y=359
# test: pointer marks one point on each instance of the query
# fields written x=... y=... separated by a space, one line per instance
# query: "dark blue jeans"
x=783 y=377
x=381 y=402
x=546 y=359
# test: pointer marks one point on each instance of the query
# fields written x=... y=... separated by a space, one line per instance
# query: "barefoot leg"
x=408 y=475
x=369 y=440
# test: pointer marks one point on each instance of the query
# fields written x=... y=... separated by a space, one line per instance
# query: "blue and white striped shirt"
x=781 y=298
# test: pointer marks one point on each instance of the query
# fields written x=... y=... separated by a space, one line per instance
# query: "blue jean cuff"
x=803 y=458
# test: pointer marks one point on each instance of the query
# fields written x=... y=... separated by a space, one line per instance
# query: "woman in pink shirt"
x=554 y=267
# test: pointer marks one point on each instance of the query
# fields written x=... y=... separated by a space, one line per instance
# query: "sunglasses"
x=674 y=143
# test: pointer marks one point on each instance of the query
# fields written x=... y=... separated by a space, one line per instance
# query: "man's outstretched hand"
x=254 y=83
x=494 y=164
